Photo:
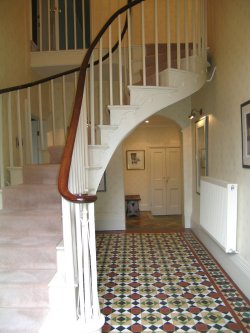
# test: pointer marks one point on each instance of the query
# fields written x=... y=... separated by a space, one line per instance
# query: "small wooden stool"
x=132 y=205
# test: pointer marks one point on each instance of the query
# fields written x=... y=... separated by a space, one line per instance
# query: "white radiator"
x=218 y=211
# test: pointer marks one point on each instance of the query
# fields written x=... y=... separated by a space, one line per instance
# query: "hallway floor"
x=147 y=222
x=165 y=282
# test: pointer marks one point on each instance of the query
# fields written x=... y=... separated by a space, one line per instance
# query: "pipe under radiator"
x=218 y=211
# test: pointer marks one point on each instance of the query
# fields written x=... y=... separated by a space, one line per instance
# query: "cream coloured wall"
x=14 y=42
x=228 y=38
x=110 y=206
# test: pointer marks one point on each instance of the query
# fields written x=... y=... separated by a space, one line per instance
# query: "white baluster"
x=83 y=26
x=64 y=107
x=194 y=19
x=85 y=140
x=110 y=68
x=186 y=34
x=100 y=84
x=92 y=100
x=156 y=44
x=66 y=23
x=2 y=180
x=11 y=157
x=129 y=48
x=143 y=44
x=168 y=33
x=19 y=127
x=199 y=27
x=53 y=111
x=29 y=125
x=120 y=60
x=75 y=33
x=178 y=34
x=49 y=27
x=204 y=28
x=41 y=115
x=40 y=26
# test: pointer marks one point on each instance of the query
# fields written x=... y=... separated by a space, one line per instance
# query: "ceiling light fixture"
x=194 y=112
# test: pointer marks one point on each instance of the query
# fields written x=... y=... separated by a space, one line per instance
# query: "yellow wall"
x=14 y=42
x=229 y=44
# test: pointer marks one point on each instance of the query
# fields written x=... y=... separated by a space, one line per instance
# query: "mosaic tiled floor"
x=165 y=282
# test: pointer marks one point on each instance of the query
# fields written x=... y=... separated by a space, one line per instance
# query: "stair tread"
x=31 y=212
x=24 y=320
x=29 y=241
x=26 y=276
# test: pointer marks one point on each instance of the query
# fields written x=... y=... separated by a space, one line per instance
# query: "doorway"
x=161 y=140
x=165 y=181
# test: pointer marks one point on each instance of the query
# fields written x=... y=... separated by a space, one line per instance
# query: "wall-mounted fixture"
x=195 y=112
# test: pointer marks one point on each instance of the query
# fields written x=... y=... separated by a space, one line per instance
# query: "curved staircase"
x=114 y=94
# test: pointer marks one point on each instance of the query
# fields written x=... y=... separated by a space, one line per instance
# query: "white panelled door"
x=165 y=181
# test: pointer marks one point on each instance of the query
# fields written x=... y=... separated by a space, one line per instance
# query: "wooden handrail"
x=69 y=146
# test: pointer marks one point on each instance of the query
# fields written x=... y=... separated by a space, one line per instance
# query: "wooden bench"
x=132 y=204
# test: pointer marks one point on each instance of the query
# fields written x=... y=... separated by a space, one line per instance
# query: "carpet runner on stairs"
x=30 y=229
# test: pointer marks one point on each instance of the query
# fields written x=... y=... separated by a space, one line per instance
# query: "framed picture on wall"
x=245 y=133
x=135 y=159
x=201 y=150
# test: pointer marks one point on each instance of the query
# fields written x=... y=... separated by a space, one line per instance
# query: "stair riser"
x=27 y=258
x=21 y=320
x=30 y=198
x=40 y=174
x=24 y=296
x=60 y=260
x=15 y=224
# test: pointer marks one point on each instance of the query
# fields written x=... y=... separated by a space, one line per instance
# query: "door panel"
x=173 y=169
x=158 y=183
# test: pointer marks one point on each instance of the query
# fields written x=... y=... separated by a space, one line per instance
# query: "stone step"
x=25 y=289
x=41 y=174
x=30 y=196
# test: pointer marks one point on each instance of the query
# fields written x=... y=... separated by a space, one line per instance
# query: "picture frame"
x=245 y=133
x=201 y=150
x=135 y=159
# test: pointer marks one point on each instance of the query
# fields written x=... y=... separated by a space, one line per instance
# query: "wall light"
x=194 y=112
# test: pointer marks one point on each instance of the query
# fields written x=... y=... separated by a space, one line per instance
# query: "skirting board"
x=235 y=266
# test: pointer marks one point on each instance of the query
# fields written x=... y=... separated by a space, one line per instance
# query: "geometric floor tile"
x=165 y=282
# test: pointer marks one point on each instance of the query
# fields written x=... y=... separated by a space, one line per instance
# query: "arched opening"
x=153 y=180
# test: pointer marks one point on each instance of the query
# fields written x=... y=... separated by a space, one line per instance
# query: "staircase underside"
x=145 y=101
